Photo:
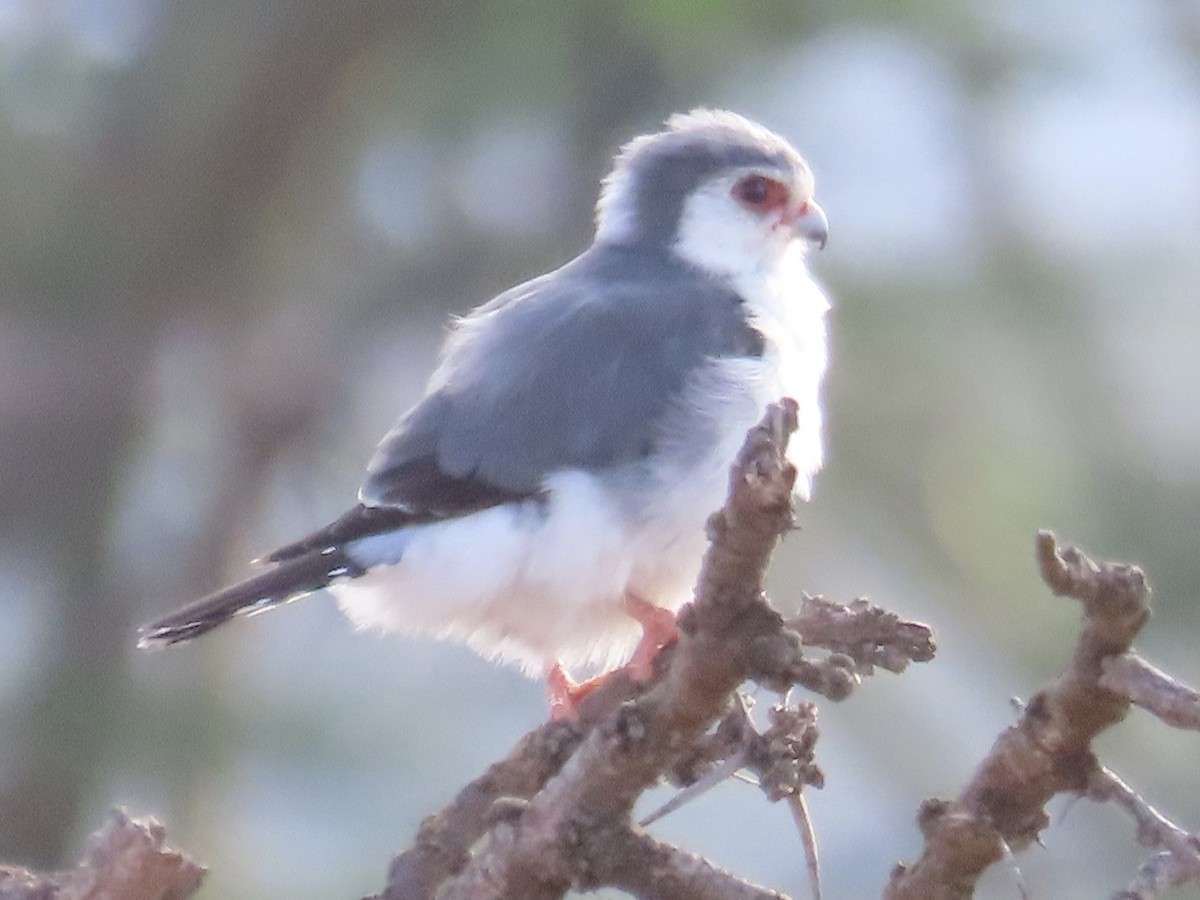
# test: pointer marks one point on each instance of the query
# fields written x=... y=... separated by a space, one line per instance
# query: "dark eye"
x=760 y=193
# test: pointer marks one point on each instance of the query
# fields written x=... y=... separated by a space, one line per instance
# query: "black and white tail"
x=288 y=580
x=300 y=568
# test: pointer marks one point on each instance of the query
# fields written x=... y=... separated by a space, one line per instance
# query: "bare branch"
x=445 y=839
x=781 y=756
x=647 y=868
x=1154 y=830
x=127 y=858
x=1157 y=875
x=870 y=635
x=1153 y=690
x=1047 y=751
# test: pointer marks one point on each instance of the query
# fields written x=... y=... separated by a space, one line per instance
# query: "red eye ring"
x=760 y=193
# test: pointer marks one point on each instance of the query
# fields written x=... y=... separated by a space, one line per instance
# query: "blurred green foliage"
x=229 y=234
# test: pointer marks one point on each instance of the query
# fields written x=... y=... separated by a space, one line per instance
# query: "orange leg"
x=658 y=630
x=565 y=692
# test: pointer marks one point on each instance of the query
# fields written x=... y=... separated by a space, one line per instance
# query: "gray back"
x=573 y=369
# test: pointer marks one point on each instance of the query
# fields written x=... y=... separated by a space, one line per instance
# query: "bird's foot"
x=658 y=630
x=566 y=693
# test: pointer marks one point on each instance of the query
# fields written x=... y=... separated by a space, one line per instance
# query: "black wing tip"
x=359 y=521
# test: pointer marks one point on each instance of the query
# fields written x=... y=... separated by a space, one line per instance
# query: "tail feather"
x=288 y=580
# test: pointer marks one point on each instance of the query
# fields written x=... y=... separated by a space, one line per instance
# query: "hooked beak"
x=811 y=226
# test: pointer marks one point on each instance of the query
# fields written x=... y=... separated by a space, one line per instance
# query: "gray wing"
x=575 y=369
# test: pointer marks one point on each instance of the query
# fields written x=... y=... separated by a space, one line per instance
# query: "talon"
x=566 y=693
x=658 y=630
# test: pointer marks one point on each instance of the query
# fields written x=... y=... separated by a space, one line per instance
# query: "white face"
x=742 y=222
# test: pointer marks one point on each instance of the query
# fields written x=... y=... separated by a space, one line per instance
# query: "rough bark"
x=127 y=859
x=1048 y=750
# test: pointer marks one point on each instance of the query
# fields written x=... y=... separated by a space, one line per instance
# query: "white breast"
x=721 y=404
x=789 y=309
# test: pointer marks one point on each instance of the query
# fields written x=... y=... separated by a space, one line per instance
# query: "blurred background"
x=230 y=237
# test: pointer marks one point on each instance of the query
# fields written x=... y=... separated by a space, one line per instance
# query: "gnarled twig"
x=1047 y=751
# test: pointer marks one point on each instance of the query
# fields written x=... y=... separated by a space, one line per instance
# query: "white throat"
x=717 y=235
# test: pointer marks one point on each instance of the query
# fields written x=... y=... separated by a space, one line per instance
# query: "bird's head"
x=721 y=192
